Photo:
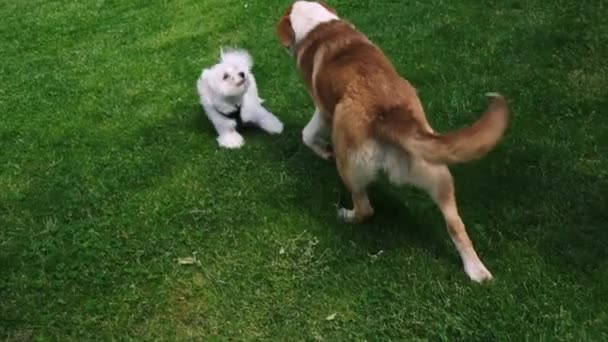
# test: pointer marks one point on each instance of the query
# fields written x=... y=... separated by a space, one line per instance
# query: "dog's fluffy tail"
x=462 y=145
x=236 y=56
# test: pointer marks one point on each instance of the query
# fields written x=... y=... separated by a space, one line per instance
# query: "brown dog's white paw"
x=478 y=272
x=347 y=215
x=323 y=151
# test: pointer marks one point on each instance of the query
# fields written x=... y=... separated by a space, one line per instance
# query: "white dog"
x=229 y=95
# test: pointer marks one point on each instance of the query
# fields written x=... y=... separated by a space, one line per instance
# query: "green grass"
x=109 y=173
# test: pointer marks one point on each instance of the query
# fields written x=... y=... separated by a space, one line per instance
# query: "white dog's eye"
x=225 y=77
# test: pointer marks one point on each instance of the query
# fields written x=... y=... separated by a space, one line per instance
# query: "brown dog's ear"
x=285 y=31
x=329 y=8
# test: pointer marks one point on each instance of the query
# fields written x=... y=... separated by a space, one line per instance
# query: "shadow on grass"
x=520 y=192
x=523 y=193
x=539 y=196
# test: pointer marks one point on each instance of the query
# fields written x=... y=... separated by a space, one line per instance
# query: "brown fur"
x=365 y=101
x=351 y=67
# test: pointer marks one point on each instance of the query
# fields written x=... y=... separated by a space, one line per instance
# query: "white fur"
x=306 y=15
x=316 y=135
x=227 y=85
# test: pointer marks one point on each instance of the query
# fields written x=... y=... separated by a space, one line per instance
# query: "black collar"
x=234 y=115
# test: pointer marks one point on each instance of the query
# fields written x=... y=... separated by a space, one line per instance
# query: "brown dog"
x=376 y=121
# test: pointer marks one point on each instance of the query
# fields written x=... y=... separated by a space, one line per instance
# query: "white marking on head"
x=238 y=57
x=306 y=15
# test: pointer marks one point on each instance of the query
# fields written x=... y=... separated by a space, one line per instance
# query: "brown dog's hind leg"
x=357 y=186
x=437 y=181
x=356 y=172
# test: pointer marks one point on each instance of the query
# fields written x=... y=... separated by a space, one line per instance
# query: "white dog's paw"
x=231 y=140
x=478 y=272
x=271 y=124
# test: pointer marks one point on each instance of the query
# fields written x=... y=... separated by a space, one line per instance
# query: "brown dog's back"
x=339 y=64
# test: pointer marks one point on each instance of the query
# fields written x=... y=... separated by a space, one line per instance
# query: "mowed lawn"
x=109 y=174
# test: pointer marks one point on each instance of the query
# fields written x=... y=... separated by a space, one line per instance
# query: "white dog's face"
x=230 y=79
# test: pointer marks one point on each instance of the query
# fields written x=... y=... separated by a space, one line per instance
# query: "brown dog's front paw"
x=329 y=153
x=325 y=152
x=351 y=216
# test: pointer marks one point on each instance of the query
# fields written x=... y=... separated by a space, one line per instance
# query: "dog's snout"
x=241 y=74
